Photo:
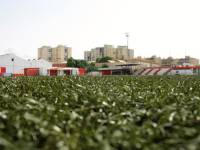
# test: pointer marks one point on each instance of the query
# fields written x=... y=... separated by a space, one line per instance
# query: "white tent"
x=43 y=65
x=15 y=64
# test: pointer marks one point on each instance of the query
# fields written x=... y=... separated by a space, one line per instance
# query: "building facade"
x=87 y=55
x=180 y=61
x=59 y=54
x=154 y=59
x=188 y=60
x=121 y=52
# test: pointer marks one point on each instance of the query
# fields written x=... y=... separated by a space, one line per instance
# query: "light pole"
x=13 y=59
x=127 y=38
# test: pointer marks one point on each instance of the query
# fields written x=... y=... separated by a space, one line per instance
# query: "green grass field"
x=100 y=113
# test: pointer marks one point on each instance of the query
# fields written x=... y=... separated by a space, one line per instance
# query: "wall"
x=182 y=72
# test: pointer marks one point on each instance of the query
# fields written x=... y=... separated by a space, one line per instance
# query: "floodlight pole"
x=127 y=37
x=13 y=59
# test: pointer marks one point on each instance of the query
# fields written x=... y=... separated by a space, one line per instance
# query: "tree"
x=104 y=66
x=76 y=63
x=81 y=64
x=91 y=67
x=71 y=62
x=103 y=59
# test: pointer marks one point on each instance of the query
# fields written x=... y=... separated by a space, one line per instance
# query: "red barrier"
x=18 y=75
x=106 y=72
x=31 y=71
x=60 y=65
x=53 y=72
x=2 y=70
x=81 y=71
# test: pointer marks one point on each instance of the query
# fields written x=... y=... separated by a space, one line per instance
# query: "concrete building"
x=143 y=62
x=131 y=53
x=124 y=53
x=170 y=61
x=87 y=55
x=110 y=51
x=94 y=54
x=58 y=54
x=97 y=53
x=188 y=60
x=154 y=59
x=121 y=52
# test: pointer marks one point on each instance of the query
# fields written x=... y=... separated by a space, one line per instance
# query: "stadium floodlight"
x=127 y=37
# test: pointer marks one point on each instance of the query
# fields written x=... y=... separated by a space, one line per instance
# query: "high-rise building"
x=121 y=52
x=109 y=51
x=59 y=54
x=45 y=52
x=124 y=53
x=87 y=55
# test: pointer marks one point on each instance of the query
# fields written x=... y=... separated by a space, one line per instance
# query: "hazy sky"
x=161 y=27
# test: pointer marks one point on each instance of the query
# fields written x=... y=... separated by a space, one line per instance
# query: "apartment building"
x=110 y=51
x=87 y=56
x=45 y=53
x=59 y=54
x=124 y=53
x=121 y=52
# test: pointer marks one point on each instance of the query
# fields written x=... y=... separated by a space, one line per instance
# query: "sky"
x=156 y=27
